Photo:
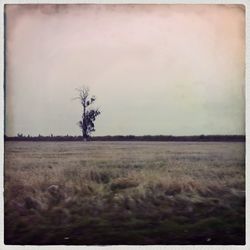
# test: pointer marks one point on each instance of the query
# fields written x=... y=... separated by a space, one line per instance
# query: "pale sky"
x=155 y=69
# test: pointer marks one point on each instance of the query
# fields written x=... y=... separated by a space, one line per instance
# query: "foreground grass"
x=101 y=193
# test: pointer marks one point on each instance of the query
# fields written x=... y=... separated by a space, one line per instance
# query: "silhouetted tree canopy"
x=89 y=114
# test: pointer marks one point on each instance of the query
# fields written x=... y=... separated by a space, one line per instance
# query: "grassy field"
x=137 y=193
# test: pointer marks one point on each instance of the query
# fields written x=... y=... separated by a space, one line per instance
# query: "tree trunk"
x=84 y=129
x=84 y=136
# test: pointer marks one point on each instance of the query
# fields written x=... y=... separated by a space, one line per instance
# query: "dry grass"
x=124 y=193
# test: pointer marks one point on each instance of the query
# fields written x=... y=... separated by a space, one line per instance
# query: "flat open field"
x=138 y=193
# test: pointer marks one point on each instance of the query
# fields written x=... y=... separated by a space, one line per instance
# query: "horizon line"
x=126 y=135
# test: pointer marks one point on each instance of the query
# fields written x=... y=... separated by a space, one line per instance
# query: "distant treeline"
x=229 y=138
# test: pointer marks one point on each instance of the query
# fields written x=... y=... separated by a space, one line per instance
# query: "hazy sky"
x=155 y=69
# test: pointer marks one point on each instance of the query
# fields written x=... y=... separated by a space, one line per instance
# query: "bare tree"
x=88 y=114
